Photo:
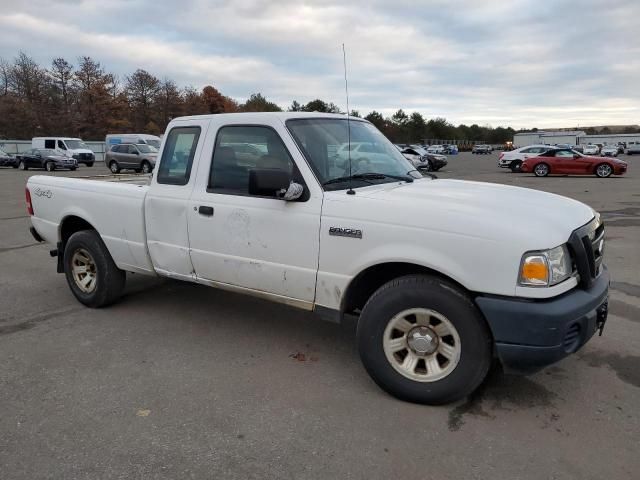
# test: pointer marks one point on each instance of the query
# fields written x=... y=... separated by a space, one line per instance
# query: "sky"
x=519 y=63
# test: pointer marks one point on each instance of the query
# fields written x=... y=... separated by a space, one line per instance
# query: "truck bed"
x=112 y=204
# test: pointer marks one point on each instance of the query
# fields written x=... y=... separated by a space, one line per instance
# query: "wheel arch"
x=365 y=283
x=70 y=225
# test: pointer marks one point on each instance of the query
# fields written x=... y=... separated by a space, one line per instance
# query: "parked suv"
x=137 y=157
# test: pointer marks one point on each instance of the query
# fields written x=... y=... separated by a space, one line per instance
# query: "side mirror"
x=274 y=183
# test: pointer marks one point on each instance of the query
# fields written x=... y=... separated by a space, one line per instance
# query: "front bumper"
x=531 y=334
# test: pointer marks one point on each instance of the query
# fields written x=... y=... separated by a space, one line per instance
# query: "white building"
x=576 y=137
x=610 y=139
x=543 y=137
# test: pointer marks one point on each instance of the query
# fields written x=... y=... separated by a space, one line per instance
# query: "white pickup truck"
x=445 y=276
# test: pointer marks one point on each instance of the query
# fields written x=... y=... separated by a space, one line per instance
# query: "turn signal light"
x=534 y=271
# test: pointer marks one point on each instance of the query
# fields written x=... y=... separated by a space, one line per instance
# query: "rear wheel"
x=146 y=167
x=423 y=340
x=604 y=170
x=91 y=273
x=89 y=164
x=541 y=170
x=114 y=167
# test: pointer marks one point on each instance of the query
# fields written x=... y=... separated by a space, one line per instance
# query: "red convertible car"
x=567 y=161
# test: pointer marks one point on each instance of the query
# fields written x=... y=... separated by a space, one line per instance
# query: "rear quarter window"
x=177 y=156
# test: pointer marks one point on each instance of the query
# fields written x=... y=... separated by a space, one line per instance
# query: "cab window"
x=232 y=163
x=50 y=143
x=177 y=156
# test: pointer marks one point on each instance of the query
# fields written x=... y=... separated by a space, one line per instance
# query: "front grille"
x=571 y=338
x=587 y=247
x=83 y=156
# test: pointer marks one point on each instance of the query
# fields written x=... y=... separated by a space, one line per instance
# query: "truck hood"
x=79 y=150
x=490 y=211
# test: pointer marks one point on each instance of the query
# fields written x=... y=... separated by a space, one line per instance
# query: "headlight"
x=545 y=268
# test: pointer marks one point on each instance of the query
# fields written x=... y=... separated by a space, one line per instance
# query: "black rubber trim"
x=35 y=234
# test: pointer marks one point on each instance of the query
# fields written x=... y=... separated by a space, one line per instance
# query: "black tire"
x=114 y=167
x=423 y=291
x=146 y=167
x=49 y=166
x=110 y=280
x=89 y=164
x=22 y=165
x=73 y=169
x=516 y=166
x=541 y=170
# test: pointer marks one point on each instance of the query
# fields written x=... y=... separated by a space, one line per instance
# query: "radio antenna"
x=351 y=191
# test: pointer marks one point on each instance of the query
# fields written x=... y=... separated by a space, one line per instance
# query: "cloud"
x=521 y=63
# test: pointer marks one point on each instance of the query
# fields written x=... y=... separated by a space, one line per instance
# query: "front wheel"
x=89 y=164
x=604 y=170
x=516 y=166
x=146 y=167
x=22 y=165
x=49 y=166
x=114 y=167
x=541 y=170
x=91 y=273
x=423 y=340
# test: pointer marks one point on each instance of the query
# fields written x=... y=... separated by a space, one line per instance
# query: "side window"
x=231 y=168
x=132 y=149
x=50 y=143
x=61 y=145
x=177 y=156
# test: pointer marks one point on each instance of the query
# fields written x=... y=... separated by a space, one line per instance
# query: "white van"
x=134 y=138
x=71 y=147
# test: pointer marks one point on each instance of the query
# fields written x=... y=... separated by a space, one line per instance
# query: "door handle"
x=207 y=211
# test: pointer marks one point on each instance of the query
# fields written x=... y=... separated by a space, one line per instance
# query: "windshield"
x=147 y=148
x=154 y=143
x=75 y=144
x=322 y=140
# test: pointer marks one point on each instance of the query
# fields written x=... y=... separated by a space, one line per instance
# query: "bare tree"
x=142 y=89
x=62 y=74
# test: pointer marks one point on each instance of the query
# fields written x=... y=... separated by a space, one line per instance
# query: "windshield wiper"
x=368 y=176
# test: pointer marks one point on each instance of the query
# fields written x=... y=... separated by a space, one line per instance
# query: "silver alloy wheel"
x=113 y=166
x=83 y=269
x=603 y=170
x=422 y=345
x=22 y=165
x=146 y=167
x=49 y=166
x=541 y=170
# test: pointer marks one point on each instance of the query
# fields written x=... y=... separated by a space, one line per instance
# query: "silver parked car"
x=138 y=157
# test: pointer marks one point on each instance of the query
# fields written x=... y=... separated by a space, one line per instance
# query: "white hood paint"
x=473 y=232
